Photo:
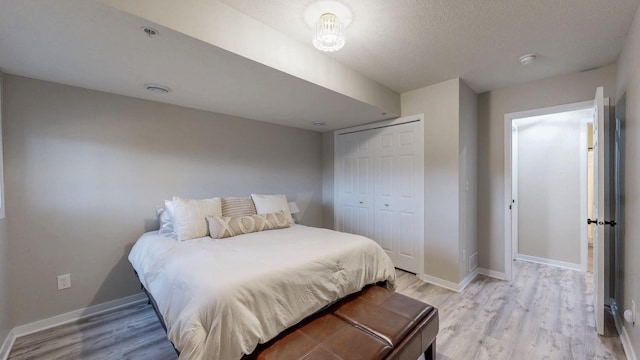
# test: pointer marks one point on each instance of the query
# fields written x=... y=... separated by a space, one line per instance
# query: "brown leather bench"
x=375 y=323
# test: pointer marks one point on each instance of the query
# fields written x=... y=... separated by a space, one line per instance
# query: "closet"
x=379 y=177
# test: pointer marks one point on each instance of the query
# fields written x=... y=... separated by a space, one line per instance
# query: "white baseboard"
x=493 y=274
x=7 y=345
x=557 y=263
x=467 y=280
x=65 y=318
x=448 y=284
x=627 y=345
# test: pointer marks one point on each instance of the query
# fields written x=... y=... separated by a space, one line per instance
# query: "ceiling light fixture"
x=527 y=59
x=157 y=88
x=319 y=123
x=329 y=33
x=328 y=19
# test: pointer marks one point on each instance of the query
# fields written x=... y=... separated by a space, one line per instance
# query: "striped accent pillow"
x=238 y=206
x=227 y=226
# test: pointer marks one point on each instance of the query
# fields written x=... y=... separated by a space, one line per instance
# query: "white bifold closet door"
x=380 y=187
x=355 y=184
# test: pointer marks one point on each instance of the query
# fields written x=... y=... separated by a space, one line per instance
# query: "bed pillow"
x=190 y=216
x=238 y=206
x=164 y=219
x=266 y=204
x=227 y=226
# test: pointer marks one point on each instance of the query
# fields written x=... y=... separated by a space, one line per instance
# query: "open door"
x=598 y=207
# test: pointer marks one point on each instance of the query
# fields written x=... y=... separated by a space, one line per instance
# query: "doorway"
x=512 y=181
x=549 y=188
x=604 y=219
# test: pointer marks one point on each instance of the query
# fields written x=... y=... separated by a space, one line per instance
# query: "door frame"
x=508 y=194
x=419 y=118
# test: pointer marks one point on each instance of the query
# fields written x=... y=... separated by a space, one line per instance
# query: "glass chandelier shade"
x=329 y=33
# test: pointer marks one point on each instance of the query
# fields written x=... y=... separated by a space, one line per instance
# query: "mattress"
x=220 y=298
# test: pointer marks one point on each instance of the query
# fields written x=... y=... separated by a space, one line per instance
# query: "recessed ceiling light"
x=527 y=59
x=157 y=88
x=151 y=32
x=319 y=123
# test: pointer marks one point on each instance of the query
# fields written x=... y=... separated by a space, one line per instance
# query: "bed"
x=220 y=298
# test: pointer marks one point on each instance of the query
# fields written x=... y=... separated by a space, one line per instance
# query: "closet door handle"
x=589 y=221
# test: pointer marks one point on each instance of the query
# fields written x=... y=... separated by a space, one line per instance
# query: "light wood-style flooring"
x=544 y=313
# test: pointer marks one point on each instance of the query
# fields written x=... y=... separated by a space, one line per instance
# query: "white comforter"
x=222 y=297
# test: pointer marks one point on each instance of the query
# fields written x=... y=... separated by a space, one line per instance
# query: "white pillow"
x=266 y=204
x=165 y=221
x=190 y=216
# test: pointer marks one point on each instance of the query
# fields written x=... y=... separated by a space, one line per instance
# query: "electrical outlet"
x=464 y=255
x=64 y=281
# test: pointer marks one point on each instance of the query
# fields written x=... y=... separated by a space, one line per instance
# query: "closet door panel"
x=355 y=191
x=407 y=233
x=385 y=231
x=380 y=192
x=346 y=162
x=364 y=197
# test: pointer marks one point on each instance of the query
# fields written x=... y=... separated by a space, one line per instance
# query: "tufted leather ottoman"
x=374 y=323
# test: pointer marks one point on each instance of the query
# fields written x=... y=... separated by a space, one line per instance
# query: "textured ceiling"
x=91 y=45
x=401 y=44
x=408 y=44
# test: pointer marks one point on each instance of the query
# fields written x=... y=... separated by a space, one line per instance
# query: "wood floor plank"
x=545 y=312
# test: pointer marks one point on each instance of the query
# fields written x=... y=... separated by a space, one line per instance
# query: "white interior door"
x=379 y=192
x=398 y=197
x=598 y=213
x=355 y=185
x=514 y=191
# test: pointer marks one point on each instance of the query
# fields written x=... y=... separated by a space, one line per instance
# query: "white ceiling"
x=401 y=44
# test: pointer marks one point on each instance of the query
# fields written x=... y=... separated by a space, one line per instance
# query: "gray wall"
x=492 y=106
x=468 y=187
x=549 y=195
x=629 y=83
x=5 y=311
x=328 y=179
x=84 y=171
x=440 y=105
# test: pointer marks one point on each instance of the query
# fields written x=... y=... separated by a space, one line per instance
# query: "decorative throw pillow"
x=227 y=226
x=266 y=204
x=164 y=218
x=238 y=206
x=190 y=216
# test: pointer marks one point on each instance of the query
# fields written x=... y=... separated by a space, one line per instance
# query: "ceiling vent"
x=527 y=59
